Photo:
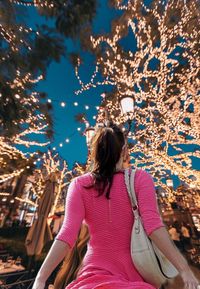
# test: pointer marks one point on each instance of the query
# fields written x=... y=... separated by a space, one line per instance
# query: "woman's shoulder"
x=85 y=179
x=141 y=172
x=142 y=175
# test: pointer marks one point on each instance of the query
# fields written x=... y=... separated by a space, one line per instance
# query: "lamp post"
x=127 y=108
x=127 y=105
x=170 y=184
x=89 y=132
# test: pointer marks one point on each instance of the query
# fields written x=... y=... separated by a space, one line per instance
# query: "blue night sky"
x=61 y=84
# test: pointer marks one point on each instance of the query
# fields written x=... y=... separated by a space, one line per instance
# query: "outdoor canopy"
x=40 y=233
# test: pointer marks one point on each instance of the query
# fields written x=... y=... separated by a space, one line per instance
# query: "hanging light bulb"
x=63 y=104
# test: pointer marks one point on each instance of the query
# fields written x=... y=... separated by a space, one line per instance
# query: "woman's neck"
x=122 y=165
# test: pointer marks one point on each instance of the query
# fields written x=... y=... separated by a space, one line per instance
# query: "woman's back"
x=100 y=199
x=110 y=222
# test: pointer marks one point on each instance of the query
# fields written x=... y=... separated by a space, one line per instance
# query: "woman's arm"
x=56 y=254
x=162 y=240
x=66 y=238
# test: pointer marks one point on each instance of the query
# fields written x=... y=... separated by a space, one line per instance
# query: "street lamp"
x=170 y=184
x=127 y=107
x=89 y=132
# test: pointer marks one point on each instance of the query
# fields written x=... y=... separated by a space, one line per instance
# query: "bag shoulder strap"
x=129 y=181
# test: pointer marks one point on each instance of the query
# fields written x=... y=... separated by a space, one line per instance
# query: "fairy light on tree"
x=160 y=74
x=55 y=169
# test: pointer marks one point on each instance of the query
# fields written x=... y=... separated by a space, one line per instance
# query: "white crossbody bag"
x=153 y=266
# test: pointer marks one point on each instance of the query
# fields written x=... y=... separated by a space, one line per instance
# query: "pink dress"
x=107 y=263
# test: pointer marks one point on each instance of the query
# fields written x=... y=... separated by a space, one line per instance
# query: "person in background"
x=185 y=235
x=100 y=199
x=175 y=236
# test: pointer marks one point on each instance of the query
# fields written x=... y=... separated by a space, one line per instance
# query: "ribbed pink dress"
x=107 y=263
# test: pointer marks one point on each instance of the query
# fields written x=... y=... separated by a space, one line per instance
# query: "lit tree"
x=70 y=16
x=160 y=72
x=14 y=161
x=55 y=169
x=10 y=158
x=25 y=55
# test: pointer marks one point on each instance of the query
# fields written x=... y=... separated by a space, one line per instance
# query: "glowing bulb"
x=63 y=104
x=78 y=129
x=61 y=145
x=75 y=103
x=49 y=100
x=86 y=107
x=67 y=140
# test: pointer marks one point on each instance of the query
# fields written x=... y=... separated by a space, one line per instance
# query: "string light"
x=63 y=104
x=35 y=3
x=27 y=201
x=6 y=177
x=4 y=194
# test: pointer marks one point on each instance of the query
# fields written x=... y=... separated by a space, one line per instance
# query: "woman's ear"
x=126 y=156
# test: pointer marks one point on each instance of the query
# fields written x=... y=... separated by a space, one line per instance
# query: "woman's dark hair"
x=106 y=148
